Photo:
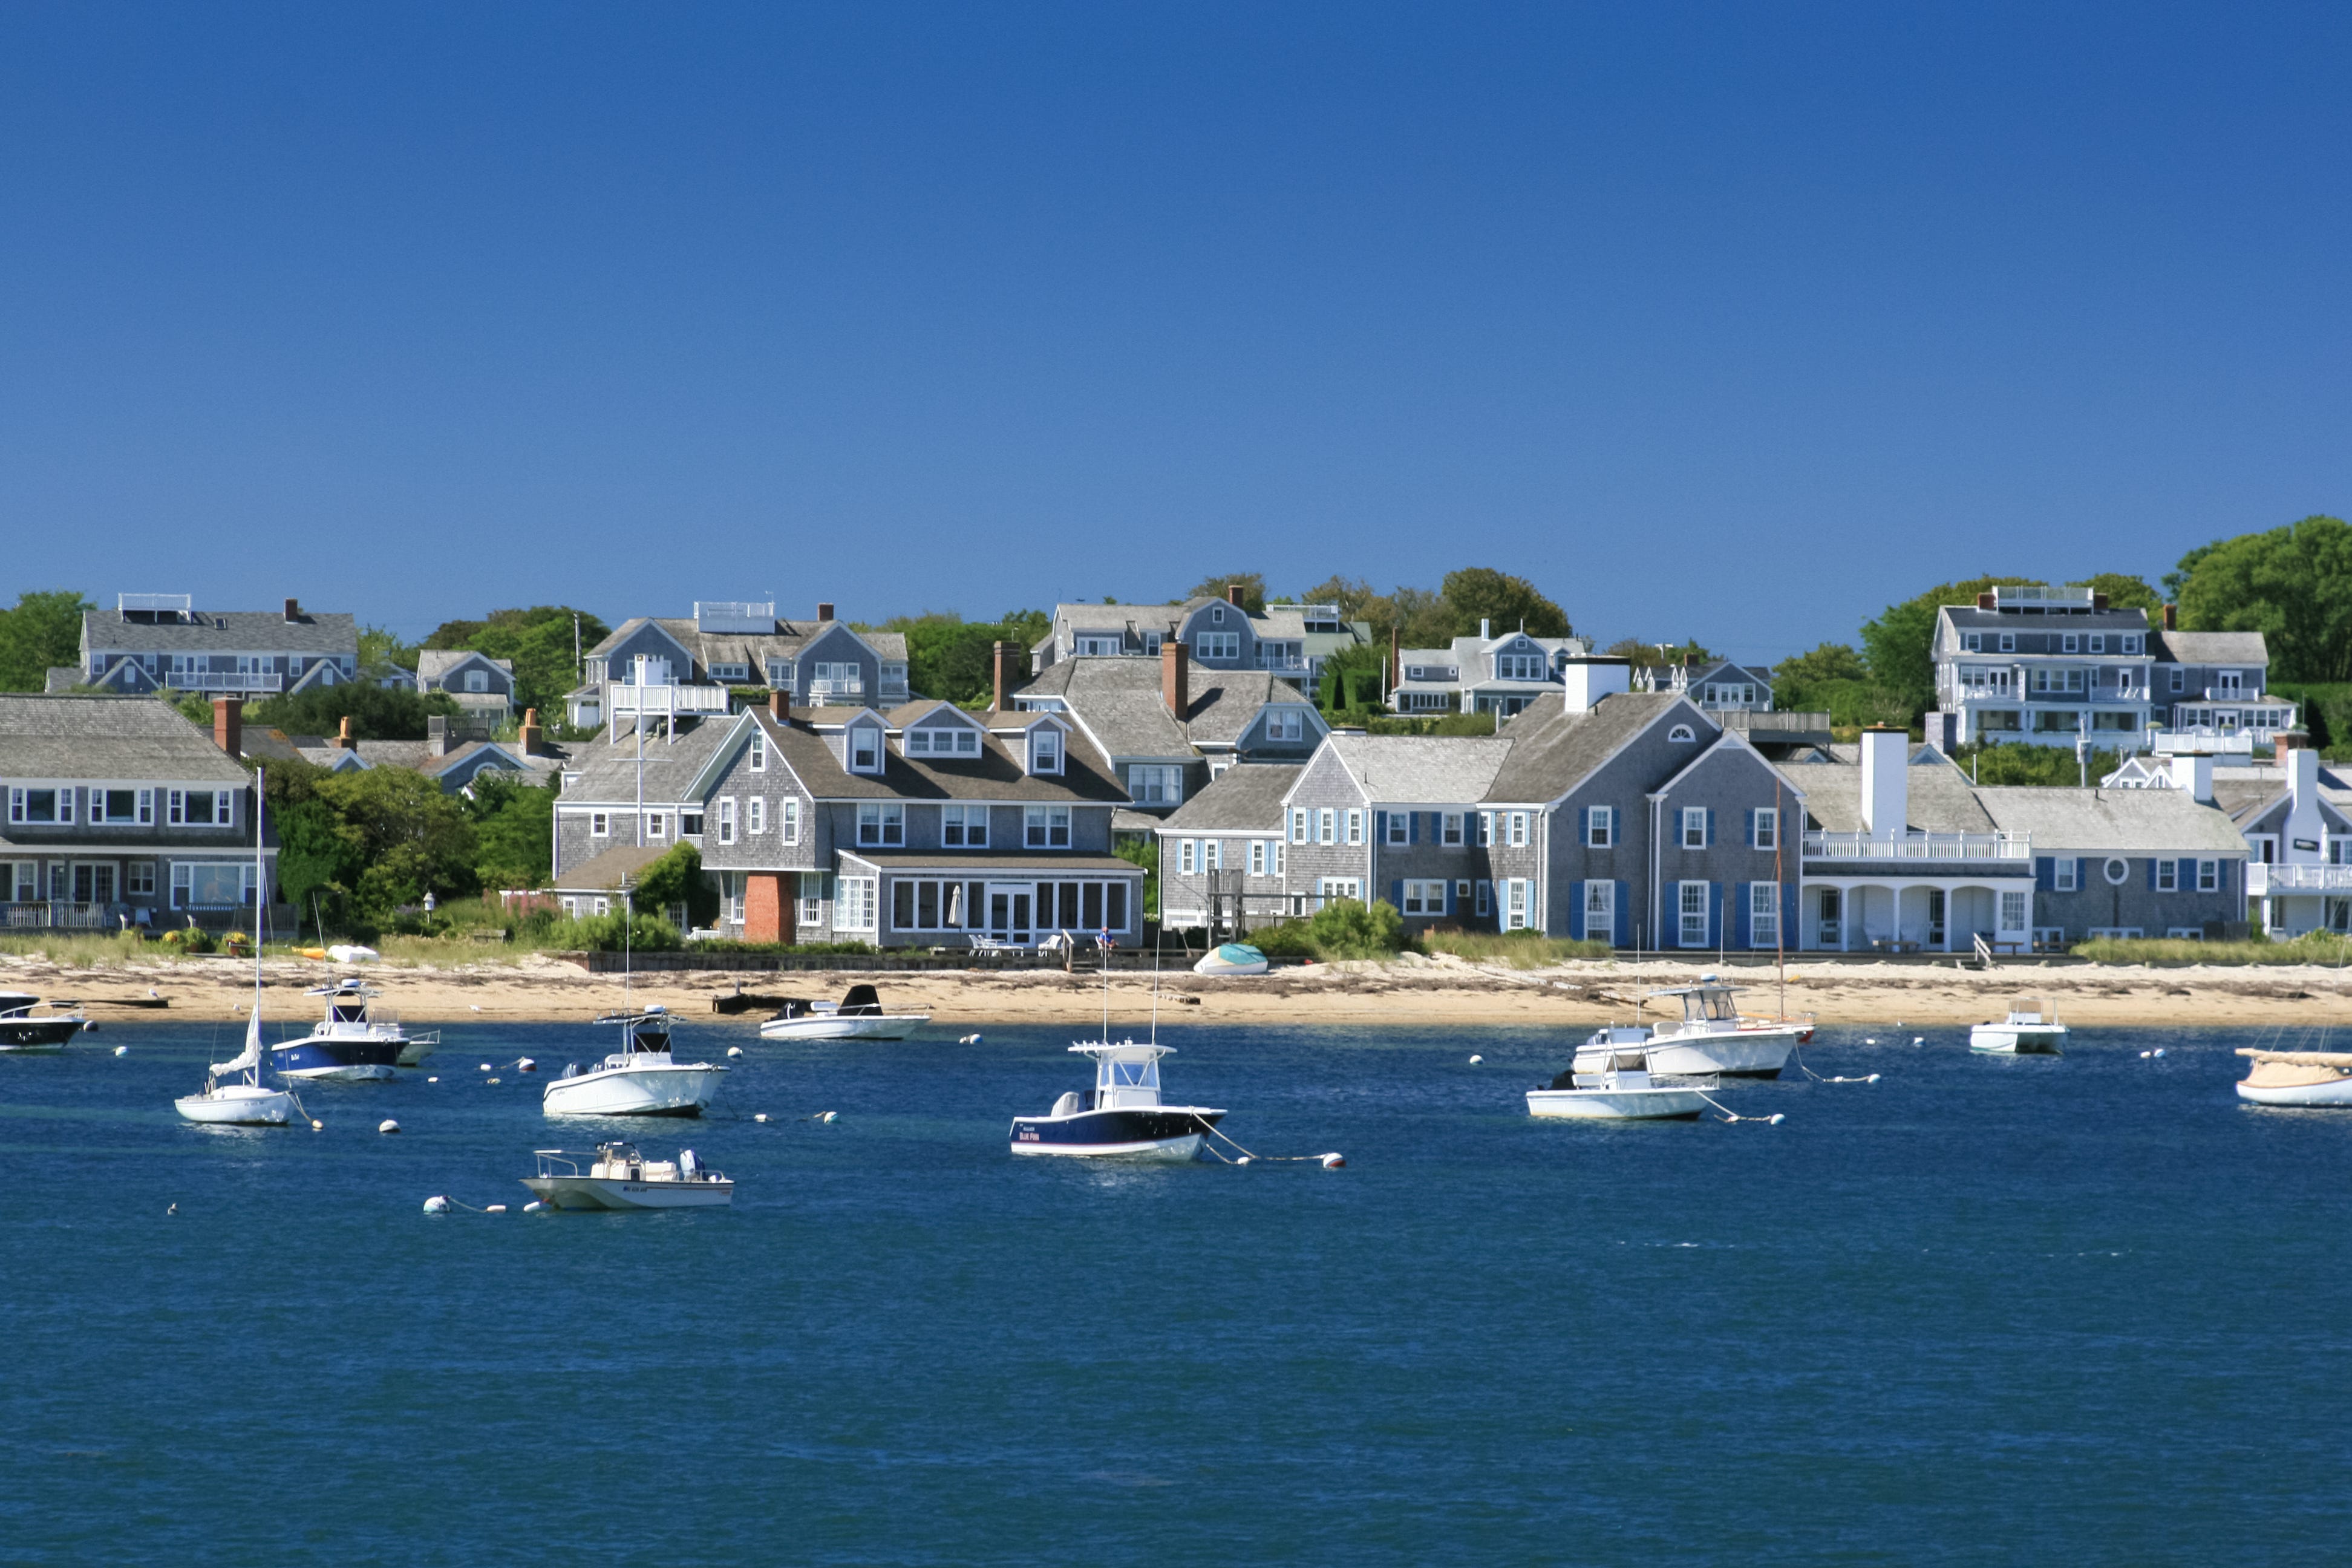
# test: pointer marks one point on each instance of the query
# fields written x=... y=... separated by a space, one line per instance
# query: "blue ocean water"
x=2088 y=1309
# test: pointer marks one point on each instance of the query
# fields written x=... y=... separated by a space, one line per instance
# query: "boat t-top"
x=641 y=1079
x=2032 y=1028
x=22 y=1030
x=618 y=1177
x=354 y=1042
x=1713 y=1038
x=1627 y=1088
x=1121 y=1115
x=859 y=1015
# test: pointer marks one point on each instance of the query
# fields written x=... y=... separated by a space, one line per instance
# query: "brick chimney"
x=534 y=738
x=824 y=611
x=293 y=609
x=344 y=741
x=2098 y=601
x=998 y=659
x=2290 y=741
x=1988 y=600
x=779 y=705
x=1233 y=593
x=1175 y=679
x=2172 y=617
x=229 y=724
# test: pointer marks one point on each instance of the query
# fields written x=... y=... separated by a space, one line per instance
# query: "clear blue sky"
x=1734 y=322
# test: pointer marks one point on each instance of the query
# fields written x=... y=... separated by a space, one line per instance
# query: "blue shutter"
x=1575 y=911
x=1788 y=905
x=1714 y=900
x=2151 y=874
x=1412 y=827
x=2082 y=871
x=1379 y=828
x=1584 y=825
x=2045 y=873
x=1624 y=933
x=1740 y=901
x=1750 y=815
x=1396 y=894
x=1710 y=827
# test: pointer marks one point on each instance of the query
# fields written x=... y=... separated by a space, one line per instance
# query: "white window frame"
x=1600 y=905
x=139 y=879
x=2063 y=870
x=859 y=733
x=1040 y=823
x=2011 y=916
x=1187 y=857
x=1045 y=751
x=1355 y=826
x=600 y=825
x=1450 y=831
x=1693 y=827
x=1327 y=826
x=2008 y=642
x=2068 y=642
x=1399 y=826
x=1768 y=828
x=1151 y=783
x=1257 y=858
x=1423 y=897
x=758 y=821
x=759 y=750
x=657 y=826
x=1684 y=914
x=725 y=819
x=1486 y=830
x=967 y=820
x=855 y=902
x=1518 y=904
x=1763 y=914
x=788 y=820
x=2209 y=876
x=881 y=824
x=1285 y=724
x=1216 y=645
x=1600 y=828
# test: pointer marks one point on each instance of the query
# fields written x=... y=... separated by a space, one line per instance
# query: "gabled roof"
x=224 y=631
x=1415 y=769
x=1117 y=700
x=994 y=774
x=1553 y=750
x=109 y=738
x=2124 y=821
x=1247 y=798
x=605 y=772
x=748 y=648
x=605 y=873
x=432 y=663
x=1968 y=618
x=2210 y=648
x=1940 y=798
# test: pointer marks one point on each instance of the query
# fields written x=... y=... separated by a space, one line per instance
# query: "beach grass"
x=1520 y=950
x=2316 y=947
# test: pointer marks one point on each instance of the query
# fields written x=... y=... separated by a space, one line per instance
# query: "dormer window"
x=1285 y=724
x=1045 y=750
x=865 y=750
x=779 y=673
x=1218 y=615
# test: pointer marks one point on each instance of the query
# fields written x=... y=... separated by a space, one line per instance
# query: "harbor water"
x=2085 y=1310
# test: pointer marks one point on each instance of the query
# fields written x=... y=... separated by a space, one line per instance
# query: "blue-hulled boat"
x=1122 y=1115
x=355 y=1041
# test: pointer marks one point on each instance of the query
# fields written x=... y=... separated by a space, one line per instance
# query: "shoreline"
x=1412 y=990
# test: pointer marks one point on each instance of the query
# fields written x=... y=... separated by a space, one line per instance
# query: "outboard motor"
x=1069 y=1104
x=689 y=1166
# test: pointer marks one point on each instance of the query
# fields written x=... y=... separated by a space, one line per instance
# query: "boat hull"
x=2316 y=1092
x=1742 y=1053
x=239 y=1105
x=602 y=1193
x=37 y=1034
x=634 y=1091
x=1617 y=1104
x=331 y=1060
x=1159 y=1133
x=885 y=1026
x=2018 y=1039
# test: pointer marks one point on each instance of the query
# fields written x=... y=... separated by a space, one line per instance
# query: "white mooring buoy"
x=1334 y=1162
x=524 y=1064
x=830 y=1117
x=763 y=1116
x=486 y=1067
x=534 y=1206
x=387 y=1125
x=496 y=1208
x=1475 y=1058
x=734 y=1053
x=318 y=1126
x=123 y=1050
x=436 y=1205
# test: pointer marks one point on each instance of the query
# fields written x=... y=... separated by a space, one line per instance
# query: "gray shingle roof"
x=1941 y=799
x=994 y=774
x=231 y=631
x=605 y=772
x=1247 y=798
x=1117 y=699
x=2126 y=821
x=603 y=873
x=1414 y=770
x=1553 y=750
x=109 y=738
x=747 y=647
x=2212 y=647
x=1968 y=618
x=432 y=663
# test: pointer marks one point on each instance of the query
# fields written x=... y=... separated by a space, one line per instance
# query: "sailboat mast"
x=260 y=912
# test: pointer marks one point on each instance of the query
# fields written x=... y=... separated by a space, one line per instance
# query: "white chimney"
x=2302 y=819
x=2194 y=774
x=1885 y=782
x=1485 y=629
x=1588 y=681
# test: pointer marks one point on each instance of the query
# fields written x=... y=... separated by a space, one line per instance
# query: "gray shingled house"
x=672 y=668
x=1222 y=852
x=151 y=642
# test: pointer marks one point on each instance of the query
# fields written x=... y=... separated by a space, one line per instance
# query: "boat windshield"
x=1709 y=1004
x=1112 y=1073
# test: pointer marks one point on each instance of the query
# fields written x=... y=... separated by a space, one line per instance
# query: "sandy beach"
x=1409 y=991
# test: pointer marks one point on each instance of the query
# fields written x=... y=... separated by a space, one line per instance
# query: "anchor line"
x=1817 y=1077
x=1210 y=1129
x=1728 y=1114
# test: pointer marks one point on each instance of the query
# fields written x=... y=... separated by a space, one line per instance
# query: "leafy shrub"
x=190 y=939
x=1288 y=940
x=605 y=933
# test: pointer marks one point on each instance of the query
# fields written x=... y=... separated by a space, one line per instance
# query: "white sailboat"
x=233 y=1094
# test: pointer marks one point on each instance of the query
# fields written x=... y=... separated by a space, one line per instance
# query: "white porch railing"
x=824 y=692
x=622 y=698
x=58 y=915
x=1919 y=846
x=2263 y=880
x=223 y=681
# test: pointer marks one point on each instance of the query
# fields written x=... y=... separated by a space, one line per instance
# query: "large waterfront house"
x=678 y=671
x=1168 y=727
x=2292 y=813
x=156 y=642
x=1481 y=674
x=1288 y=640
x=2046 y=666
x=121 y=814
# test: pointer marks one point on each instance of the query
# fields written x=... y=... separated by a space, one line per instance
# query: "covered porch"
x=1865 y=914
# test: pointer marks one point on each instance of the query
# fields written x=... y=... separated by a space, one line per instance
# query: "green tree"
x=536 y=641
x=411 y=839
x=1657 y=655
x=381 y=645
x=514 y=828
x=377 y=712
x=2293 y=584
x=1481 y=592
x=952 y=660
x=318 y=855
x=41 y=633
x=2125 y=592
x=676 y=879
x=1355 y=679
x=1252 y=584
x=1898 y=644
x=1356 y=599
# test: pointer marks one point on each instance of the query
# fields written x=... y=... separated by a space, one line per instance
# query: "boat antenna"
x=1779 y=937
x=260 y=917
x=1157 y=936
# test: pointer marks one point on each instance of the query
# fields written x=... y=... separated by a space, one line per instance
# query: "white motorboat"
x=234 y=1095
x=23 y=1030
x=1624 y=1091
x=1232 y=958
x=356 y=1041
x=859 y=1015
x=1121 y=1115
x=641 y=1079
x=2031 y=1028
x=1618 y=1045
x=1713 y=1038
x=2315 y=1079
x=618 y=1177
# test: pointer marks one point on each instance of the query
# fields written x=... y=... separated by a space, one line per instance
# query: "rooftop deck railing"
x=825 y=692
x=2263 y=880
x=1919 y=846
x=224 y=681
x=1771 y=719
x=181 y=602
x=623 y=698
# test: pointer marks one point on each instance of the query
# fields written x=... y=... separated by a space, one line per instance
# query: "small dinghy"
x=641 y=1079
x=2317 y=1079
x=618 y=1177
x=23 y=1030
x=2031 y=1028
x=1233 y=958
x=1122 y=1115
x=859 y=1015
x=1624 y=1091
